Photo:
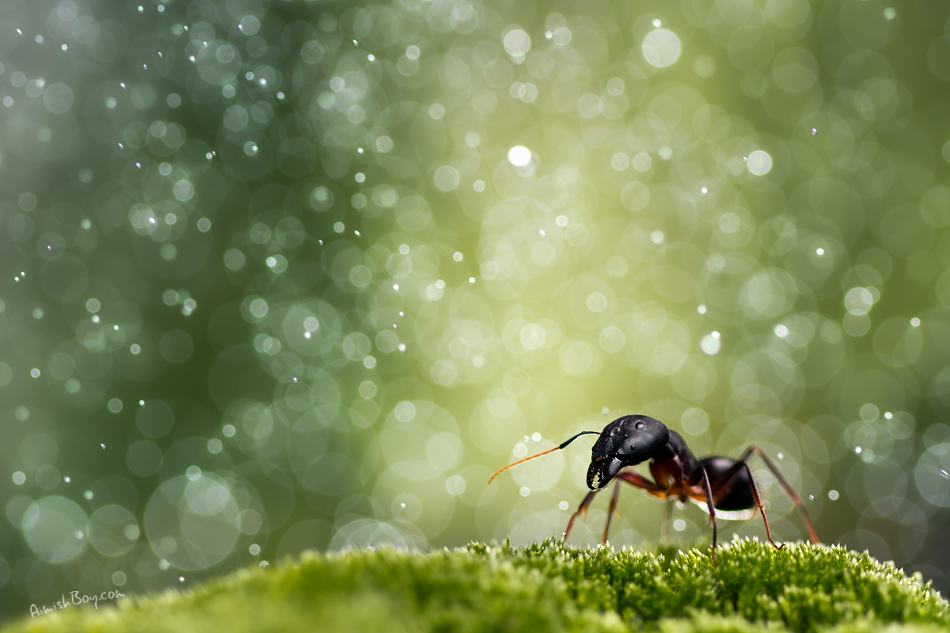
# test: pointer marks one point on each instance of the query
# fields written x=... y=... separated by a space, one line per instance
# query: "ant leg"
x=758 y=504
x=580 y=510
x=712 y=512
x=611 y=512
x=789 y=491
x=665 y=536
x=655 y=490
x=741 y=463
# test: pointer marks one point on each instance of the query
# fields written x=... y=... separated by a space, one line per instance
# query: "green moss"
x=545 y=587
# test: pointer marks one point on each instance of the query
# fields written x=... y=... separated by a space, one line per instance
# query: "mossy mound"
x=545 y=587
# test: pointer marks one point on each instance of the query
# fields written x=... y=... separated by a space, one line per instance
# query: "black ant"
x=720 y=482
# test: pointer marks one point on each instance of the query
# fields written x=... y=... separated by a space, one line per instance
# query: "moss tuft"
x=544 y=587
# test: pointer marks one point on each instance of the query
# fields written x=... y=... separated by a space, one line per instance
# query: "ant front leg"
x=611 y=512
x=582 y=509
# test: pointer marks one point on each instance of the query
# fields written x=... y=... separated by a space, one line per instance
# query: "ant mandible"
x=720 y=483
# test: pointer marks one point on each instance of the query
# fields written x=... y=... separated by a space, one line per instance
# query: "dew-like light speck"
x=519 y=155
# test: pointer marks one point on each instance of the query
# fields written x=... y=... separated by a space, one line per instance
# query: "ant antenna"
x=551 y=450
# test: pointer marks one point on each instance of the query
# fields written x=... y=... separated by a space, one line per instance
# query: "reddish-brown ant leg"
x=789 y=492
x=758 y=504
x=712 y=511
x=611 y=512
x=581 y=510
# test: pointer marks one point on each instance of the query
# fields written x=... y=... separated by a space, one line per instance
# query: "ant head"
x=626 y=441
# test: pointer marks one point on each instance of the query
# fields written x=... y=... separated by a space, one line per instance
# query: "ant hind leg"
x=758 y=505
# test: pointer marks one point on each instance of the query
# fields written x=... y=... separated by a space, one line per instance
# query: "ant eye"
x=640 y=425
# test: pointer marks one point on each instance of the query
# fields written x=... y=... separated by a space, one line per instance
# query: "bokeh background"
x=285 y=275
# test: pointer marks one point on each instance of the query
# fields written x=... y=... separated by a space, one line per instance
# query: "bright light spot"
x=915 y=322
x=858 y=301
x=710 y=344
x=519 y=155
x=517 y=43
x=781 y=331
x=759 y=163
x=833 y=495
x=661 y=48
